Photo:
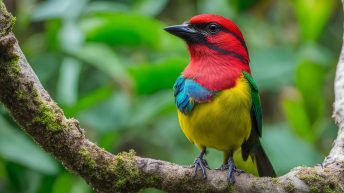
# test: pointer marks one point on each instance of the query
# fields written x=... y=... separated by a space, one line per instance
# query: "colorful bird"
x=217 y=98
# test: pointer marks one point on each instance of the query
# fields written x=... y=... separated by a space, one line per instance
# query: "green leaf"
x=68 y=183
x=244 y=5
x=108 y=140
x=149 y=7
x=123 y=29
x=45 y=65
x=310 y=79
x=313 y=16
x=70 y=37
x=151 y=190
x=3 y=172
x=80 y=186
x=16 y=147
x=46 y=184
x=272 y=68
x=104 y=58
x=149 y=107
x=109 y=115
x=221 y=7
x=33 y=181
x=286 y=151
x=91 y=99
x=58 y=9
x=150 y=78
x=106 y=6
x=67 y=85
x=296 y=115
x=63 y=183
x=316 y=53
x=52 y=30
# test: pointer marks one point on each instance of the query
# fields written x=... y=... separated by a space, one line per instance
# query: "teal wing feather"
x=186 y=89
x=256 y=109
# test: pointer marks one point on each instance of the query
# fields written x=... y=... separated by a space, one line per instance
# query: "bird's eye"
x=213 y=28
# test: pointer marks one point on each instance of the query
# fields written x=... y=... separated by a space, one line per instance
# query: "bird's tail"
x=263 y=163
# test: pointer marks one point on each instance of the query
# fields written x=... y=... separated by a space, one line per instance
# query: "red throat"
x=214 y=71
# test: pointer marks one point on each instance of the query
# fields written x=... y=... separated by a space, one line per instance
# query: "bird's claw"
x=202 y=164
x=231 y=170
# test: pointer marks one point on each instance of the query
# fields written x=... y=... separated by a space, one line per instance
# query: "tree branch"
x=337 y=151
x=37 y=114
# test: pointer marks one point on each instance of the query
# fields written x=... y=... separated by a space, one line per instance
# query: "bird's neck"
x=215 y=72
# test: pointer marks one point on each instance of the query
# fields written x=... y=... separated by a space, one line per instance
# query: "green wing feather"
x=256 y=109
x=252 y=145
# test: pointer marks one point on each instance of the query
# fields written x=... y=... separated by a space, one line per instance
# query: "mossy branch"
x=37 y=114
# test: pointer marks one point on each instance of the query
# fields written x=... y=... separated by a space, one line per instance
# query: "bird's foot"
x=202 y=164
x=224 y=167
x=231 y=170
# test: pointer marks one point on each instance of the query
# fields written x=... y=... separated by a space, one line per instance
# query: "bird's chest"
x=222 y=123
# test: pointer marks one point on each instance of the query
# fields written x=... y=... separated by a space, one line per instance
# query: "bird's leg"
x=231 y=170
x=202 y=164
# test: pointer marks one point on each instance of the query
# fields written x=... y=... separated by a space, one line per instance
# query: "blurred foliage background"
x=110 y=65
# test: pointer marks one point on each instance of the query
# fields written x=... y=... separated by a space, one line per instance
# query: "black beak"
x=184 y=31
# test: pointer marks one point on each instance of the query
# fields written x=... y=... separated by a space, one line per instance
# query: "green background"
x=111 y=65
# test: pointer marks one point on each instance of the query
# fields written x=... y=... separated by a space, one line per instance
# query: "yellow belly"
x=224 y=123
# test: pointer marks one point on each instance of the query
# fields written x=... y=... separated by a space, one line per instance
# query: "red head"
x=217 y=49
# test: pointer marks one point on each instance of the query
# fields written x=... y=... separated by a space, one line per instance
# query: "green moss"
x=332 y=188
x=12 y=65
x=20 y=95
x=86 y=155
x=311 y=178
x=314 y=189
x=327 y=189
x=151 y=180
x=126 y=171
x=50 y=119
x=324 y=189
x=259 y=184
x=274 y=180
x=15 y=68
x=319 y=183
x=289 y=187
x=7 y=21
x=12 y=22
x=46 y=115
x=230 y=188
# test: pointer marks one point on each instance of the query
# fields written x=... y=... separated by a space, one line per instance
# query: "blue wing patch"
x=197 y=92
x=187 y=92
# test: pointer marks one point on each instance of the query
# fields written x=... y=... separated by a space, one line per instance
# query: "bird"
x=217 y=98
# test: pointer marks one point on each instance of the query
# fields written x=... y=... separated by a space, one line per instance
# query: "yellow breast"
x=224 y=123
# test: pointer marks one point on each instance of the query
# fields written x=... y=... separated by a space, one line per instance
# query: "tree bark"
x=38 y=115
